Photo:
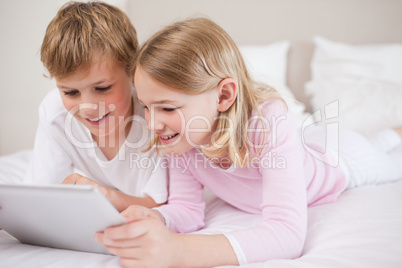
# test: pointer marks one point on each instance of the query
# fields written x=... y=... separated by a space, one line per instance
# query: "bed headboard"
x=252 y=22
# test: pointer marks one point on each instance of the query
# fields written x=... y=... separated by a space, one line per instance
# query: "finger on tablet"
x=85 y=180
x=135 y=212
x=102 y=239
x=131 y=230
x=126 y=252
x=72 y=179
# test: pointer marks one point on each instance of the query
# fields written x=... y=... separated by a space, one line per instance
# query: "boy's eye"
x=103 y=88
x=169 y=109
x=144 y=107
x=71 y=92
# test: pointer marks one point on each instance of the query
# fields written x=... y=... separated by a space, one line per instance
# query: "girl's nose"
x=154 y=123
x=155 y=127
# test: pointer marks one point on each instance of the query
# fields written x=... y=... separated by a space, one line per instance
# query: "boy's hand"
x=76 y=178
x=144 y=241
x=120 y=200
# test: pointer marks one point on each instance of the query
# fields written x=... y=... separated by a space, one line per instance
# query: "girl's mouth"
x=168 y=138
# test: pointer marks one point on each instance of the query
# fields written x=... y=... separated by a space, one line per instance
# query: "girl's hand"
x=76 y=178
x=144 y=241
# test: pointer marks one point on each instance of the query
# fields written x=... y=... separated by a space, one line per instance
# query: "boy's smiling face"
x=100 y=98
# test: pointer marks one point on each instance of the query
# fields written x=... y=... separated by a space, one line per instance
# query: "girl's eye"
x=71 y=92
x=103 y=88
x=169 y=109
x=144 y=107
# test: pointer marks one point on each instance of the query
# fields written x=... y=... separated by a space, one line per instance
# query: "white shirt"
x=63 y=145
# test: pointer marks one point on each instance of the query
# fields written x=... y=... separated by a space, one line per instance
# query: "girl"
x=222 y=131
x=93 y=123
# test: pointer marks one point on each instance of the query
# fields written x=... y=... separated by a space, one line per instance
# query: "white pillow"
x=365 y=79
x=267 y=64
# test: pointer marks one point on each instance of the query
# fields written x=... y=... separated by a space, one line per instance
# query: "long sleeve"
x=184 y=212
x=282 y=231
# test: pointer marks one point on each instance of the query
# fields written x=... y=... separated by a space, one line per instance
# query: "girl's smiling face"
x=181 y=121
x=100 y=98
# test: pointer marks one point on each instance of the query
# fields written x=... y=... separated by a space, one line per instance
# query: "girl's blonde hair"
x=193 y=56
x=81 y=31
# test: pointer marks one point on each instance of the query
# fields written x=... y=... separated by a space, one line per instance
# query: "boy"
x=93 y=124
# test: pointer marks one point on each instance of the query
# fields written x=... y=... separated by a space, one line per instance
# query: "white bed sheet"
x=362 y=229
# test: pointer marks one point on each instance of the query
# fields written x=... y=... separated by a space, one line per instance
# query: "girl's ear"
x=227 y=93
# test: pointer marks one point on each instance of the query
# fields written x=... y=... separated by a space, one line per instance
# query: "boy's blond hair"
x=82 y=31
x=193 y=56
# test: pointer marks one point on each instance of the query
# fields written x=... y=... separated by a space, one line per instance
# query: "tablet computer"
x=57 y=216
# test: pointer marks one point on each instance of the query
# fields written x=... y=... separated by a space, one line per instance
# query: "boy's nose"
x=84 y=109
x=87 y=107
x=92 y=109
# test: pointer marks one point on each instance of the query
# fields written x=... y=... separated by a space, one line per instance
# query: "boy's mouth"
x=95 y=121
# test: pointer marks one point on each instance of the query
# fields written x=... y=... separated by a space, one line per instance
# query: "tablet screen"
x=58 y=216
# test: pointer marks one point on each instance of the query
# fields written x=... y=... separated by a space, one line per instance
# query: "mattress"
x=362 y=229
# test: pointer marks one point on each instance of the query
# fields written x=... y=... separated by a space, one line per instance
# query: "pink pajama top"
x=280 y=185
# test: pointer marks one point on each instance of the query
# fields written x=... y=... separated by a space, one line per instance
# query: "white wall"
x=22 y=85
x=22 y=27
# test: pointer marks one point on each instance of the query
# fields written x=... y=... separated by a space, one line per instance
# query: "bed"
x=338 y=63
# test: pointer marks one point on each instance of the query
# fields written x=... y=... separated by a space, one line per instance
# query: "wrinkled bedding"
x=362 y=229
